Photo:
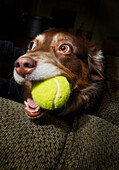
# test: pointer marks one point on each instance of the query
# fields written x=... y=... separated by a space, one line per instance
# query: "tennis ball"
x=52 y=93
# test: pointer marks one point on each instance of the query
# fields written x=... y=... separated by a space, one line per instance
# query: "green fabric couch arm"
x=84 y=142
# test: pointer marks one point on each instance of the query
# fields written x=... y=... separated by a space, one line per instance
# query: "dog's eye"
x=31 y=45
x=65 y=48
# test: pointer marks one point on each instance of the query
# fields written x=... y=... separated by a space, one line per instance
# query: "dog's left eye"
x=31 y=46
x=65 y=48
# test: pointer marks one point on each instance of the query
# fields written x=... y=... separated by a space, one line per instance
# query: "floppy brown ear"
x=95 y=62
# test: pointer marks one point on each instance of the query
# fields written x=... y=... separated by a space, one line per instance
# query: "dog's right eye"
x=32 y=45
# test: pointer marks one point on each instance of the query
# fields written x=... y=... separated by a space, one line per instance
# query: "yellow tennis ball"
x=52 y=93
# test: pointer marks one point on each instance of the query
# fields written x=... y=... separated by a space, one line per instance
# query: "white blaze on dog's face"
x=61 y=53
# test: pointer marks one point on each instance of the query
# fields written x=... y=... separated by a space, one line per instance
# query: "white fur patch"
x=43 y=71
x=58 y=37
x=41 y=38
x=99 y=56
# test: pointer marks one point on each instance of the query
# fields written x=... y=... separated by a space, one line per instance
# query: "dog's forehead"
x=52 y=38
x=58 y=37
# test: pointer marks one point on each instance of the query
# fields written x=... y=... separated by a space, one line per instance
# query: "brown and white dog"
x=55 y=52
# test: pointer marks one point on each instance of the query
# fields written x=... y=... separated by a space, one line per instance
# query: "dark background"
x=99 y=18
x=94 y=20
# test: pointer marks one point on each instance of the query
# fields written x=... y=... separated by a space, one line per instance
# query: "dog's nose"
x=24 y=66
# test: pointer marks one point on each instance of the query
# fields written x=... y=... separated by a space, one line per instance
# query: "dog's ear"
x=95 y=62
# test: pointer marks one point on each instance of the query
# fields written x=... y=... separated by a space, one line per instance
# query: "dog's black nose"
x=24 y=65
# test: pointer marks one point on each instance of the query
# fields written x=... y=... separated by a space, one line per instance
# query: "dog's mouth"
x=32 y=110
x=42 y=101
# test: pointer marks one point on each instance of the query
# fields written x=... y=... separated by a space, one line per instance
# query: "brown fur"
x=82 y=66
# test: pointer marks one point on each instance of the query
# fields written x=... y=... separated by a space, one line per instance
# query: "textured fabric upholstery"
x=83 y=141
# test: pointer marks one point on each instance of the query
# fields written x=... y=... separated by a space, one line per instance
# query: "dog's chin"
x=34 y=112
x=36 y=116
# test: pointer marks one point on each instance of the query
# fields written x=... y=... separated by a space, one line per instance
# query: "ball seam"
x=58 y=89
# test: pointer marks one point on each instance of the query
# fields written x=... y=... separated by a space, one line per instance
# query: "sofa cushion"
x=81 y=141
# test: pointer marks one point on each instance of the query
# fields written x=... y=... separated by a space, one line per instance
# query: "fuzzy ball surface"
x=52 y=93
